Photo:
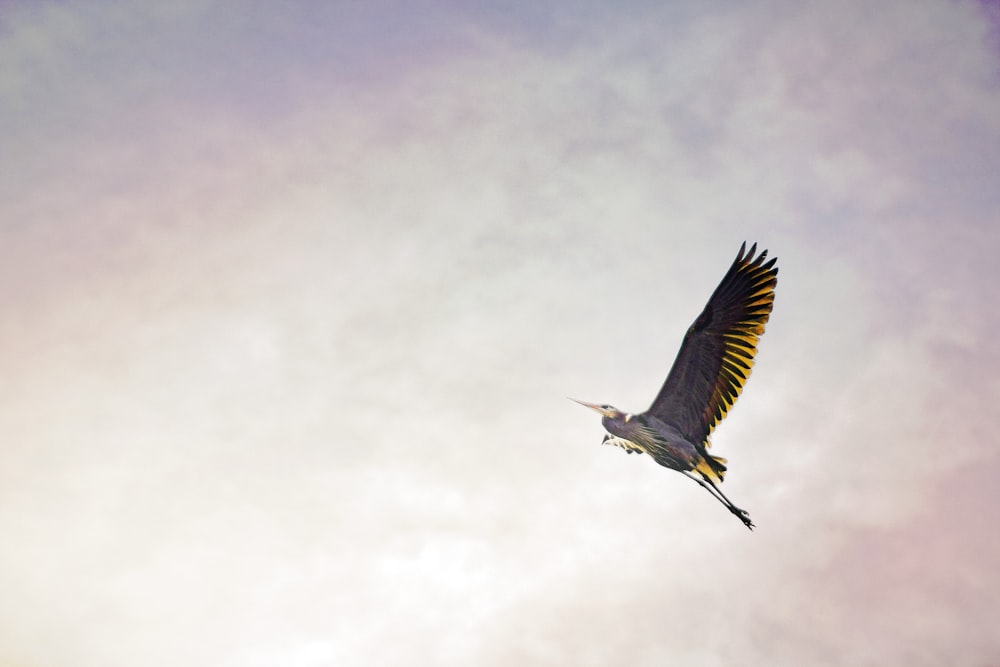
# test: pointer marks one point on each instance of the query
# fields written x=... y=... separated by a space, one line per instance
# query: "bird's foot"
x=743 y=516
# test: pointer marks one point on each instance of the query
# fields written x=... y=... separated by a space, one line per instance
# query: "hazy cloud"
x=292 y=300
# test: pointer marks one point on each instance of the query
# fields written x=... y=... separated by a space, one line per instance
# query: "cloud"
x=290 y=316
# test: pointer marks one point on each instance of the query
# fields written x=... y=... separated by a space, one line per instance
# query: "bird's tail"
x=711 y=468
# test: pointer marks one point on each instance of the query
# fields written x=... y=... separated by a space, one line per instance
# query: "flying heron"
x=708 y=375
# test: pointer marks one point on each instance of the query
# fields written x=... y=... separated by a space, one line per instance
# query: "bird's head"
x=608 y=411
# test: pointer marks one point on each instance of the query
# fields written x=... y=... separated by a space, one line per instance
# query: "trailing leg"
x=710 y=486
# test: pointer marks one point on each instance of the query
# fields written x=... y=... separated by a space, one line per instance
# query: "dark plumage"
x=707 y=377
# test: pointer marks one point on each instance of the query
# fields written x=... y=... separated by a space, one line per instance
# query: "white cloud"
x=290 y=384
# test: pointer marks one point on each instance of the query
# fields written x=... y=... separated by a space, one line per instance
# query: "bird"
x=707 y=376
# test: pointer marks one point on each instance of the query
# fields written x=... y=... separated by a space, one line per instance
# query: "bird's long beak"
x=592 y=406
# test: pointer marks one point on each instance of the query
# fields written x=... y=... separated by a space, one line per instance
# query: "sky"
x=292 y=296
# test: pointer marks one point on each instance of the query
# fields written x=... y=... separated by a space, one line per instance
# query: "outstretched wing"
x=718 y=350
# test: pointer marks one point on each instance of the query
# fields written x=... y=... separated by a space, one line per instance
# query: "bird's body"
x=649 y=435
x=707 y=377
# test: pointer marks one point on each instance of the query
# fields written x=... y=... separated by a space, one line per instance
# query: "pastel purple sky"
x=292 y=296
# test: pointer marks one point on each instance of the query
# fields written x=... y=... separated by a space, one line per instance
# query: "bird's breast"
x=624 y=443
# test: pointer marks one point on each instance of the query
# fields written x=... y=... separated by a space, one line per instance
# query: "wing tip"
x=747 y=258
